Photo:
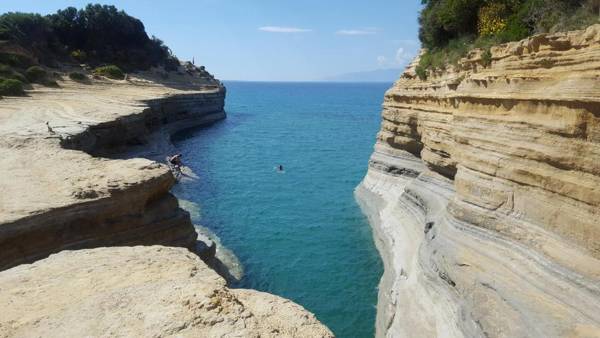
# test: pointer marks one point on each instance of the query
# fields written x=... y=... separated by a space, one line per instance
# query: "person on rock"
x=176 y=162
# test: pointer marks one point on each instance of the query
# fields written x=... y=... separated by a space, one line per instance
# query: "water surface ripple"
x=298 y=234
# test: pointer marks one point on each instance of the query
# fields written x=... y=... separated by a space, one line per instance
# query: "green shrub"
x=456 y=50
x=104 y=34
x=444 y=20
x=98 y=34
x=20 y=77
x=76 y=76
x=449 y=28
x=583 y=17
x=486 y=58
x=11 y=87
x=515 y=29
x=79 y=55
x=15 y=60
x=36 y=74
x=421 y=72
x=440 y=58
x=8 y=72
x=27 y=29
x=110 y=71
x=5 y=69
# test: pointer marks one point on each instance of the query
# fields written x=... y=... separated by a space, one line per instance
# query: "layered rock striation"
x=484 y=194
x=58 y=193
x=140 y=292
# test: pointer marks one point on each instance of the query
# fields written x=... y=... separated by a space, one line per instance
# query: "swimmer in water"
x=280 y=168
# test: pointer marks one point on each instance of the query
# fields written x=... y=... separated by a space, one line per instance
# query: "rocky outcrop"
x=57 y=196
x=67 y=185
x=171 y=113
x=140 y=291
x=484 y=194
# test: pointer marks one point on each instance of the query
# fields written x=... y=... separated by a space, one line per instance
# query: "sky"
x=272 y=40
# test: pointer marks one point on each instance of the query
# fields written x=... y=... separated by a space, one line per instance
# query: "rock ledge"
x=140 y=291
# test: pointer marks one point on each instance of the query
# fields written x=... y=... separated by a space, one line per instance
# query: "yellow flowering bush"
x=490 y=19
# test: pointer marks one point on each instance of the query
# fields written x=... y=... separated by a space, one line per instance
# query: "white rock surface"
x=483 y=194
x=140 y=292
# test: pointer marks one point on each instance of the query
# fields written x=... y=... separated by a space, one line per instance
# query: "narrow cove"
x=298 y=233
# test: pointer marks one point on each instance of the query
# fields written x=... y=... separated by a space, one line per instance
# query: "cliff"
x=140 y=291
x=56 y=196
x=484 y=194
x=64 y=187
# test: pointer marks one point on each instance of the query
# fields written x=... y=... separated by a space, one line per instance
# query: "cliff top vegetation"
x=97 y=35
x=450 y=28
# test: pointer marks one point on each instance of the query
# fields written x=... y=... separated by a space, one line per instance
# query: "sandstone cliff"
x=56 y=196
x=140 y=292
x=484 y=194
x=63 y=188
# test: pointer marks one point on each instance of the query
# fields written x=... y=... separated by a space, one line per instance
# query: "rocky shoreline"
x=122 y=210
x=482 y=193
x=65 y=187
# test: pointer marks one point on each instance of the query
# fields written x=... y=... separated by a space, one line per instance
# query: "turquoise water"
x=298 y=234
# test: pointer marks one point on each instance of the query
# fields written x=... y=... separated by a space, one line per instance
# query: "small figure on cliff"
x=50 y=130
x=175 y=160
x=175 y=163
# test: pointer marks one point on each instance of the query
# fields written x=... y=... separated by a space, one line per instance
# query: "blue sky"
x=273 y=40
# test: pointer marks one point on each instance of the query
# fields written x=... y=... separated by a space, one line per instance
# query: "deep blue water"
x=298 y=234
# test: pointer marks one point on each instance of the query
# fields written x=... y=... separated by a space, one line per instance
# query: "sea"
x=298 y=232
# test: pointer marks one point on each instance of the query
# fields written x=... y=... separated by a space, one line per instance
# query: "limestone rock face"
x=140 y=292
x=484 y=193
x=55 y=195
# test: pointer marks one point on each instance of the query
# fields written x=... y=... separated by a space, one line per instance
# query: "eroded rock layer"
x=57 y=196
x=484 y=193
x=140 y=292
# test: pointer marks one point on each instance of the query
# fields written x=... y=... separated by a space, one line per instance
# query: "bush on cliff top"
x=110 y=71
x=36 y=74
x=11 y=87
x=8 y=72
x=450 y=28
x=79 y=77
x=98 y=34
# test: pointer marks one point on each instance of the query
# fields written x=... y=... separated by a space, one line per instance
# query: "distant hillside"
x=379 y=75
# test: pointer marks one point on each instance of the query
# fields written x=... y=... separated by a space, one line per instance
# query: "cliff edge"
x=484 y=194
x=64 y=189
x=140 y=291
x=57 y=195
